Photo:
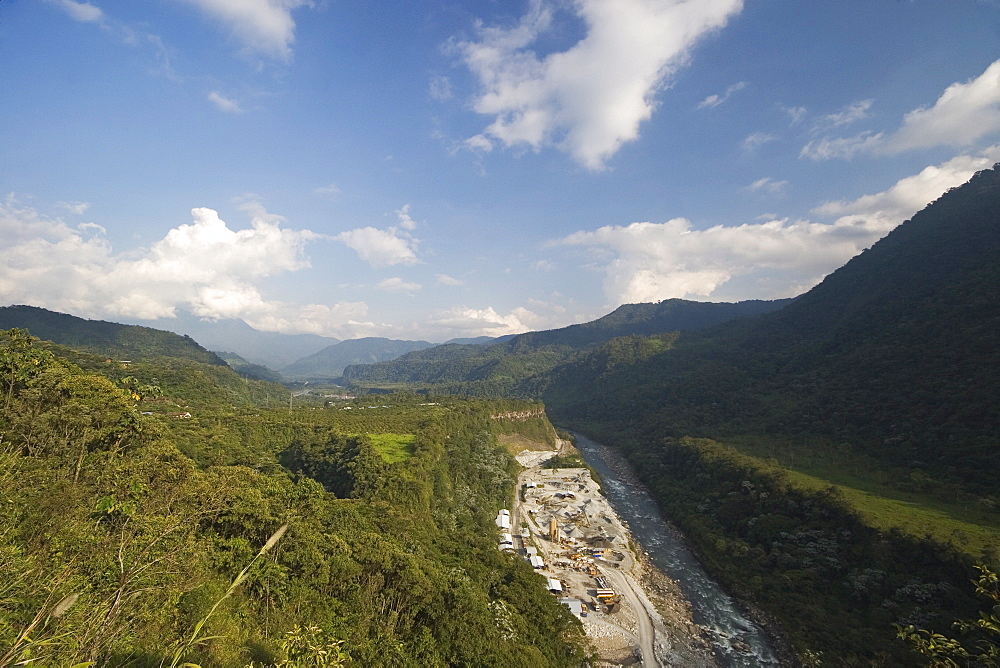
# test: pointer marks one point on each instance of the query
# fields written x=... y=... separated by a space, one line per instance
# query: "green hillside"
x=245 y=368
x=108 y=339
x=264 y=537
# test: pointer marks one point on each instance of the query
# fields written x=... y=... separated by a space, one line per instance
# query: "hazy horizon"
x=450 y=170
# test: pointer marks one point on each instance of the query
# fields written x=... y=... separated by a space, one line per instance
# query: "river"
x=736 y=640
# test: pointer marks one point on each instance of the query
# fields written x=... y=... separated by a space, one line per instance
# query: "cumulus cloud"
x=647 y=261
x=80 y=11
x=465 y=321
x=715 y=100
x=224 y=103
x=964 y=113
x=380 y=248
x=203 y=267
x=343 y=320
x=398 y=285
x=910 y=194
x=591 y=98
x=263 y=26
x=385 y=248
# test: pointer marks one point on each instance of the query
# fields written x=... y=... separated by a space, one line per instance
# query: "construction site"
x=566 y=529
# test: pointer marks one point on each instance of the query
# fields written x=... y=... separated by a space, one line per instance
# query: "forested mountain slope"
x=246 y=368
x=894 y=355
x=100 y=337
x=850 y=480
x=495 y=370
x=225 y=537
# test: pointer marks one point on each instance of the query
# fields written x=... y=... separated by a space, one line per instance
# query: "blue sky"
x=440 y=169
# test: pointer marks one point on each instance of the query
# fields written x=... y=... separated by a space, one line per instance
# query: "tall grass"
x=196 y=638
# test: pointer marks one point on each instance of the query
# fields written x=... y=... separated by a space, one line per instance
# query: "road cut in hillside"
x=633 y=614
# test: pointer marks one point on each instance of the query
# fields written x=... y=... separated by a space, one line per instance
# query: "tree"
x=947 y=652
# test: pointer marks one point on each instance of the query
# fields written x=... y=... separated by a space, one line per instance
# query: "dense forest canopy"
x=135 y=536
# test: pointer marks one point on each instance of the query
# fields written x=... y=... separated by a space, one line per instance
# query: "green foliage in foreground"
x=118 y=548
x=982 y=649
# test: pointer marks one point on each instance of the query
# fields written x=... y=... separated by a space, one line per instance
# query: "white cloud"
x=964 y=113
x=445 y=279
x=381 y=248
x=331 y=190
x=591 y=98
x=79 y=208
x=405 y=221
x=204 y=267
x=479 y=143
x=756 y=140
x=543 y=265
x=715 y=100
x=841 y=147
x=849 y=114
x=343 y=320
x=385 y=248
x=910 y=194
x=263 y=26
x=465 y=321
x=440 y=88
x=651 y=261
x=80 y=11
x=224 y=103
x=795 y=113
x=767 y=184
x=398 y=285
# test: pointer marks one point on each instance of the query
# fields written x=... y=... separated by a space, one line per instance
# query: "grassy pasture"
x=393 y=447
x=967 y=530
x=966 y=526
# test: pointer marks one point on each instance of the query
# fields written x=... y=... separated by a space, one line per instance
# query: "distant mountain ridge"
x=329 y=363
x=271 y=349
x=100 y=337
x=495 y=369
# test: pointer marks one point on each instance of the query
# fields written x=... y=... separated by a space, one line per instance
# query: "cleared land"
x=588 y=557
